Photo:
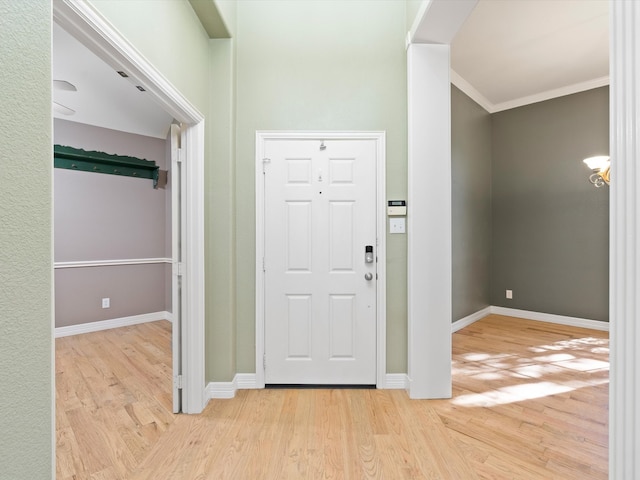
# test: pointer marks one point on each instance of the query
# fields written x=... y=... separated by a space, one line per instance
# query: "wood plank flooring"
x=113 y=399
x=530 y=402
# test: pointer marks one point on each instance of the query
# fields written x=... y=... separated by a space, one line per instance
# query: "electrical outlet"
x=509 y=294
x=106 y=302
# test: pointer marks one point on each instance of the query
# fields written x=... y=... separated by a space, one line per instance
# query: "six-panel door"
x=320 y=294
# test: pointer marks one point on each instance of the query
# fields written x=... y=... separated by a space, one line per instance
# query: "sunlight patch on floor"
x=556 y=357
x=522 y=392
x=584 y=364
x=551 y=367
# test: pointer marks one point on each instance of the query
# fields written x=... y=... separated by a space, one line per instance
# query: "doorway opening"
x=82 y=22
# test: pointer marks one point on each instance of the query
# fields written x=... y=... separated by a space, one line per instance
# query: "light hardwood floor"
x=113 y=399
x=530 y=402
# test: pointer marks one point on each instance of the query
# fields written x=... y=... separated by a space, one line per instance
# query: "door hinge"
x=264 y=361
x=180 y=269
x=180 y=155
x=264 y=265
x=179 y=382
x=265 y=161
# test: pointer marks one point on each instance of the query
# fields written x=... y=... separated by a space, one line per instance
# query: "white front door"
x=319 y=282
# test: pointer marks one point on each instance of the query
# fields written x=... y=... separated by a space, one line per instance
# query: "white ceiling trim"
x=438 y=21
x=471 y=92
x=481 y=100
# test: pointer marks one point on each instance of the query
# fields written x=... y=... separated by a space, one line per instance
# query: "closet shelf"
x=100 y=162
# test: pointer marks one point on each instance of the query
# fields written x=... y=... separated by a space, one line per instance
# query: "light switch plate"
x=397 y=225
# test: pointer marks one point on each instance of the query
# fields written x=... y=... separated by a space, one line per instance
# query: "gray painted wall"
x=133 y=290
x=108 y=217
x=550 y=225
x=471 y=204
x=26 y=286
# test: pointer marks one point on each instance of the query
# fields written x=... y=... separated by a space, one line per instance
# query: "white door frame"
x=624 y=241
x=87 y=25
x=381 y=284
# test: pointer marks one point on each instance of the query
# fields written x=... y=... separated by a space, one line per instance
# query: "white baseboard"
x=469 y=319
x=221 y=390
x=400 y=381
x=241 y=381
x=112 y=323
x=529 y=315
x=246 y=381
x=396 y=381
x=551 y=318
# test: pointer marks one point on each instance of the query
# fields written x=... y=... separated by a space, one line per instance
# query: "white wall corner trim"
x=551 y=318
x=111 y=323
x=469 y=319
x=624 y=231
x=429 y=227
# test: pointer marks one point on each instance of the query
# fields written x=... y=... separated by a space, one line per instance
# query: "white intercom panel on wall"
x=396 y=211
x=396 y=208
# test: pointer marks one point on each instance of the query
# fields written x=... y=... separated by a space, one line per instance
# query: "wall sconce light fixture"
x=600 y=166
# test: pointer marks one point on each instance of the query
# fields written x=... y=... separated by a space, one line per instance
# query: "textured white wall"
x=26 y=376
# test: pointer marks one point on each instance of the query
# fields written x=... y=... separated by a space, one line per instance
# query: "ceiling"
x=514 y=52
x=508 y=53
x=103 y=97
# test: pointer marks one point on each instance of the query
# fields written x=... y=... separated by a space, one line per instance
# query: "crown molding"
x=476 y=96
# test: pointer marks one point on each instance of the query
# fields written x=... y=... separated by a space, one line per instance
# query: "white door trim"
x=624 y=234
x=86 y=24
x=381 y=320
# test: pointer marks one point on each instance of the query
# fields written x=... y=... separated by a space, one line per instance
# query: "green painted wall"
x=320 y=65
x=26 y=249
x=174 y=41
x=220 y=232
x=170 y=36
x=550 y=225
x=471 y=204
x=228 y=11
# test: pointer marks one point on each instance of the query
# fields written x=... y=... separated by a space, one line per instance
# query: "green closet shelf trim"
x=100 y=162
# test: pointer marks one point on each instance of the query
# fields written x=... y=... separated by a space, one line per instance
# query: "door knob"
x=368 y=276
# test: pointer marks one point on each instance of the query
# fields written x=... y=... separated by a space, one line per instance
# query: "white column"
x=624 y=425
x=429 y=222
